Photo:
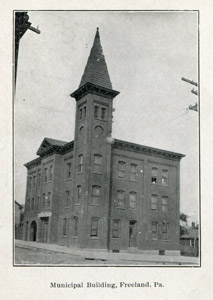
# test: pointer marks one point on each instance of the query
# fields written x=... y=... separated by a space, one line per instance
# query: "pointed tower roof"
x=96 y=71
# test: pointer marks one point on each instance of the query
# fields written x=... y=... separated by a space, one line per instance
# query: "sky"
x=147 y=54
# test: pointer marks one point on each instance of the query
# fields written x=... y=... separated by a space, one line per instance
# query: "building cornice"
x=118 y=144
x=94 y=89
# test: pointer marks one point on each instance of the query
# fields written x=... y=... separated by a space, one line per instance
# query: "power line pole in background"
x=21 y=26
x=195 y=92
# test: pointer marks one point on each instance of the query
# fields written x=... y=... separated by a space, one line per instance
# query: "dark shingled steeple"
x=96 y=71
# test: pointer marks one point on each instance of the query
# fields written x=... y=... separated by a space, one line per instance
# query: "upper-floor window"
x=116 y=228
x=28 y=204
x=32 y=204
x=64 y=228
x=121 y=169
x=51 y=173
x=39 y=179
x=133 y=171
x=45 y=174
x=96 y=111
x=80 y=163
x=30 y=183
x=68 y=173
x=154 y=230
x=43 y=200
x=48 y=200
x=103 y=113
x=84 y=112
x=165 y=204
x=67 y=201
x=78 y=196
x=165 y=177
x=154 y=202
x=165 y=231
x=80 y=113
x=132 y=199
x=154 y=176
x=120 y=199
x=96 y=194
x=75 y=226
x=97 y=163
x=94 y=226
x=34 y=181
x=37 y=203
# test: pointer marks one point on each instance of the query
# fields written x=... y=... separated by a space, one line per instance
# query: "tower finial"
x=97 y=32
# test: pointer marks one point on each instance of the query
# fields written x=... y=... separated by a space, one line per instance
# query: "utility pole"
x=21 y=26
x=195 y=92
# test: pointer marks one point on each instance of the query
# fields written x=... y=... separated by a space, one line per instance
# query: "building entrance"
x=44 y=229
x=132 y=233
x=33 y=231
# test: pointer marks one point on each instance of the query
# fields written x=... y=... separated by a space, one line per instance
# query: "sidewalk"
x=112 y=257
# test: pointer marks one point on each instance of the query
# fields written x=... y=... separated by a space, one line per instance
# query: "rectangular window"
x=34 y=181
x=154 y=202
x=48 y=200
x=165 y=177
x=165 y=231
x=133 y=171
x=76 y=226
x=30 y=183
x=45 y=175
x=132 y=199
x=84 y=112
x=78 y=198
x=80 y=163
x=120 y=200
x=103 y=113
x=96 y=194
x=64 y=227
x=97 y=163
x=80 y=114
x=154 y=177
x=94 y=226
x=121 y=169
x=165 y=204
x=68 y=173
x=32 y=204
x=154 y=230
x=37 y=203
x=51 y=173
x=43 y=200
x=67 y=202
x=96 y=108
x=116 y=229
x=39 y=179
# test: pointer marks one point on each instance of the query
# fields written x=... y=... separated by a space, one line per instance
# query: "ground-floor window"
x=116 y=228
x=94 y=226
x=165 y=231
x=76 y=226
x=154 y=230
x=64 y=227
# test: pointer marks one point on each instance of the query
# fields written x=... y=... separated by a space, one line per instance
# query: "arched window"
x=154 y=202
x=96 y=194
x=80 y=163
x=68 y=173
x=67 y=200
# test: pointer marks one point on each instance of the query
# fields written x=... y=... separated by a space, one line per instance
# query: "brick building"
x=98 y=192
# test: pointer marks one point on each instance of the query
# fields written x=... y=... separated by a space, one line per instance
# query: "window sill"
x=94 y=238
x=122 y=208
x=133 y=180
x=133 y=208
x=92 y=204
x=77 y=204
x=99 y=173
x=47 y=181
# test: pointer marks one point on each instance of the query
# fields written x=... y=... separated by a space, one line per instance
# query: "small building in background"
x=19 y=218
x=190 y=241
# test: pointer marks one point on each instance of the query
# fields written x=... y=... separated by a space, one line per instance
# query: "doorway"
x=132 y=233
x=44 y=229
x=33 y=231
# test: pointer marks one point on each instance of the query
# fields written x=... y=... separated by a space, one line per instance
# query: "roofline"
x=149 y=150
x=20 y=205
